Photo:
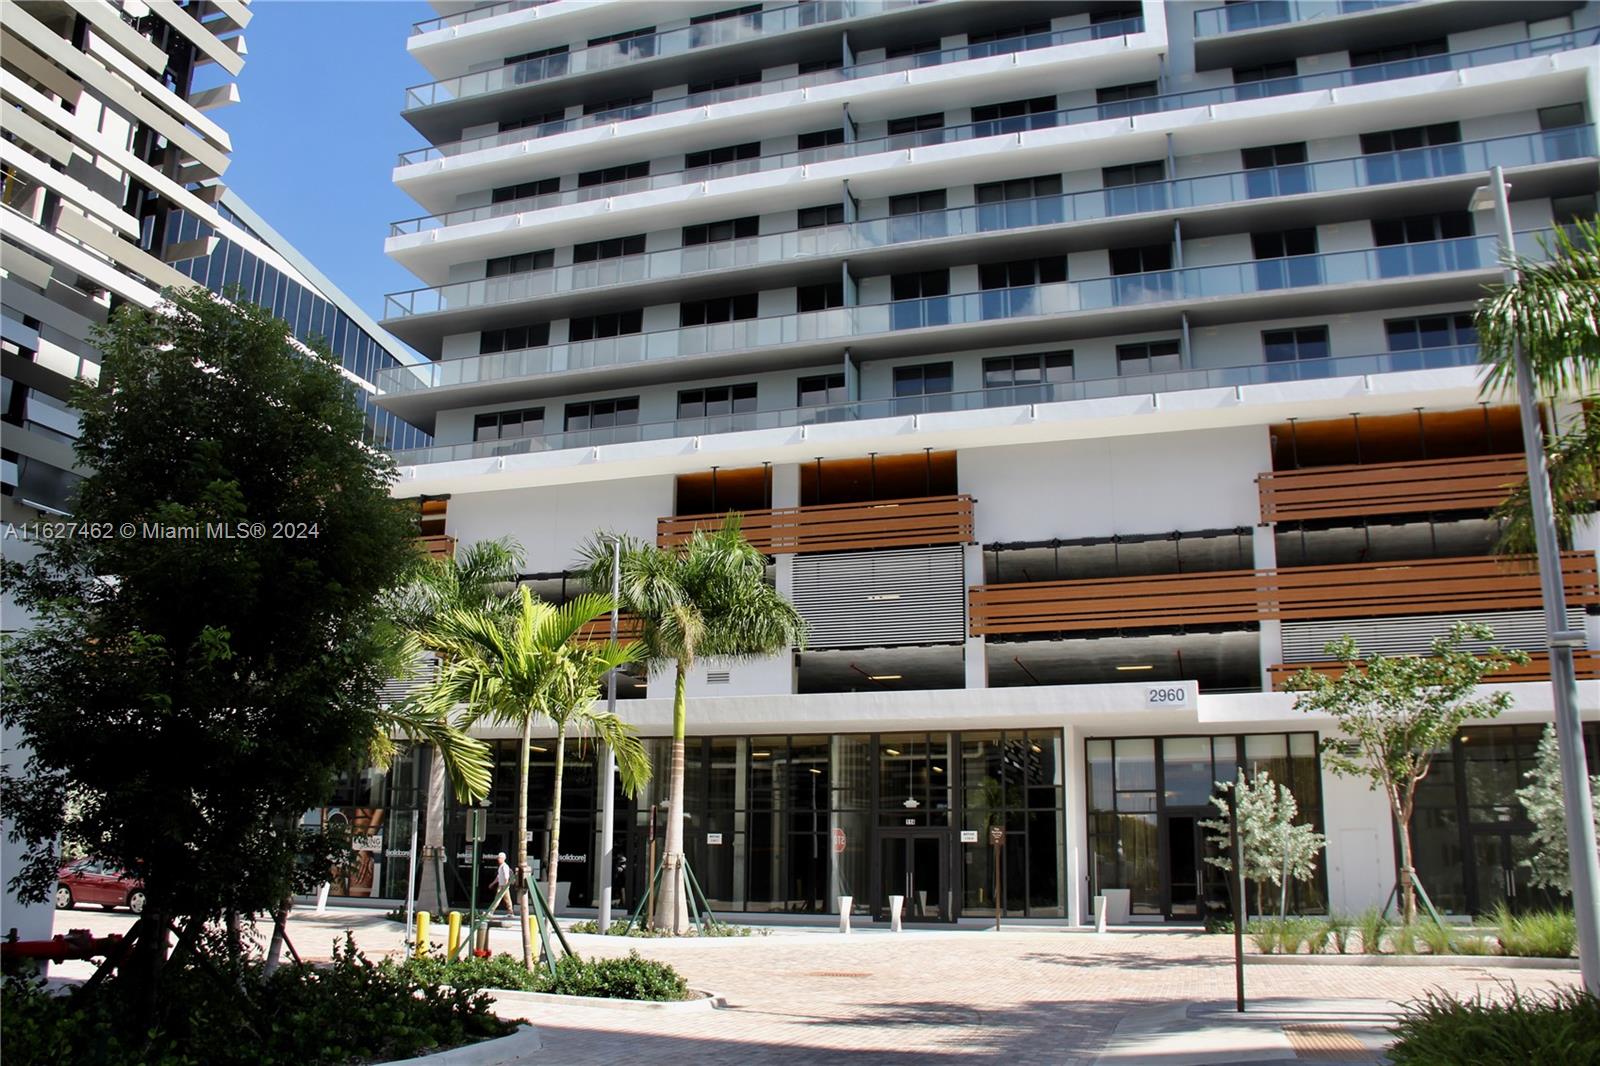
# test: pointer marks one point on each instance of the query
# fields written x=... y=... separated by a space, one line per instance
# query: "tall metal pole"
x=1238 y=895
x=608 y=761
x=1585 y=860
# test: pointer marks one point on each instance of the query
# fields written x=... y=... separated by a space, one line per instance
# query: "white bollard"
x=322 y=897
x=1099 y=914
x=844 y=913
x=896 y=905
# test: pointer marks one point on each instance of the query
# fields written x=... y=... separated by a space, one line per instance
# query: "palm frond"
x=1553 y=311
x=1573 y=462
x=467 y=760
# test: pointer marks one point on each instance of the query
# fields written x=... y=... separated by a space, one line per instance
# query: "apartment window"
x=820 y=297
x=1565 y=210
x=1020 y=202
x=1109 y=17
x=1410 y=137
x=1135 y=187
x=618 y=103
x=916 y=294
x=529 y=121
x=523 y=263
x=1010 y=33
x=608 y=175
x=814 y=217
x=1394 y=53
x=928 y=379
x=542 y=187
x=1266 y=79
x=717 y=400
x=612 y=248
x=901 y=51
x=1280 y=243
x=1142 y=259
x=820 y=390
x=726 y=230
x=1019 y=189
x=726 y=154
x=514 y=338
x=504 y=425
x=1295 y=345
x=1281 y=261
x=817 y=66
x=934 y=120
x=1023 y=378
x=1022 y=272
x=1565 y=131
x=1417 y=229
x=1431 y=331
x=543 y=53
x=1119 y=101
x=915 y=203
x=1014 y=115
x=1134 y=174
x=1561 y=116
x=916 y=286
x=1149 y=357
x=624 y=37
x=600 y=327
x=602 y=414
x=730 y=13
x=821 y=138
x=1275 y=170
x=732 y=81
x=718 y=309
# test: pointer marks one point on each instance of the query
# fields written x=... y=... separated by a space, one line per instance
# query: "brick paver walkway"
x=1023 y=997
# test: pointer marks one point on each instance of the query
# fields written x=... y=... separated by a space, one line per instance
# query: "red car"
x=86 y=881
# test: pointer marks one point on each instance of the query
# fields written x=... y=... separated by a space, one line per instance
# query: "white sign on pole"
x=969 y=836
x=713 y=838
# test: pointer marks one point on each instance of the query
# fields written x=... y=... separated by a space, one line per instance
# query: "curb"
x=1475 y=962
x=705 y=1001
x=501 y=1051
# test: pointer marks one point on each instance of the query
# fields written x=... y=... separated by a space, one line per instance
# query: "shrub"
x=1266 y=935
x=620 y=927
x=1218 y=923
x=497 y=971
x=1298 y=931
x=1337 y=927
x=634 y=977
x=1372 y=924
x=1472 y=944
x=1541 y=934
x=1561 y=1026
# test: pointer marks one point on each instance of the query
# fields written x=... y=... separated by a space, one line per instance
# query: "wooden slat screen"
x=1351 y=590
x=1389 y=488
x=1537 y=668
x=911 y=523
x=439 y=545
x=628 y=628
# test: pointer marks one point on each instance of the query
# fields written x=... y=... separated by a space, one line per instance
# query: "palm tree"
x=706 y=599
x=477 y=577
x=512 y=670
x=1554 y=312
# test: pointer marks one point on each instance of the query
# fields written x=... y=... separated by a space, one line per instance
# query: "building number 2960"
x=1171 y=695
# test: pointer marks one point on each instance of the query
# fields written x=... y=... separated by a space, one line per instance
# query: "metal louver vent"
x=396 y=690
x=718 y=677
x=862 y=599
x=1303 y=642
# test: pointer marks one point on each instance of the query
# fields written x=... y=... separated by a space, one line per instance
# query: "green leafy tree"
x=535 y=663
x=187 y=694
x=1554 y=312
x=707 y=599
x=1545 y=805
x=1271 y=842
x=1395 y=713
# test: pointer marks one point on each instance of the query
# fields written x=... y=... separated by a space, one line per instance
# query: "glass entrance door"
x=1185 y=857
x=914 y=865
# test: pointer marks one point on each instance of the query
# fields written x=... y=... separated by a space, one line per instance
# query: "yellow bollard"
x=422 y=933
x=454 y=941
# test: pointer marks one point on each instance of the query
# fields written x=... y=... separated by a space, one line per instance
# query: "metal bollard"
x=421 y=946
x=844 y=913
x=454 y=941
x=896 y=905
x=1100 y=908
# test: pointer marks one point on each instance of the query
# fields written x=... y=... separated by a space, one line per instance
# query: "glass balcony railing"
x=1027 y=43
x=1548 y=146
x=1030 y=301
x=1260 y=14
x=1009 y=127
x=475 y=14
x=757 y=25
x=1009 y=396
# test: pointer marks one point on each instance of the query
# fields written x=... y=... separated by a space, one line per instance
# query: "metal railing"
x=937 y=403
x=1261 y=14
x=785 y=246
x=1008 y=127
x=1026 y=43
x=1029 y=301
x=475 y=14
x=684 y=39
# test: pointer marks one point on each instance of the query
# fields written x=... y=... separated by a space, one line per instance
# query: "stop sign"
x=838 y=841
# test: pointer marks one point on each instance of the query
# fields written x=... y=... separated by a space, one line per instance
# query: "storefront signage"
x=969 y=836
x=838 y=841
x=713 y=838
x=1175 y=694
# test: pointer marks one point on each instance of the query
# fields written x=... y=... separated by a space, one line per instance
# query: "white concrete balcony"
x=423 y=316
x=1433 y=271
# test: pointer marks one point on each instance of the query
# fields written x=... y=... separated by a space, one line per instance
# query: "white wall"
x=552 y=523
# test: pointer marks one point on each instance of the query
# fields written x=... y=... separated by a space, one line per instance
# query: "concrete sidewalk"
x=1280 y=1030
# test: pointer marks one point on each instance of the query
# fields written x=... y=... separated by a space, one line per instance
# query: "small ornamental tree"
x=1395 y=713
x=1545 y=805
x=1271 y=842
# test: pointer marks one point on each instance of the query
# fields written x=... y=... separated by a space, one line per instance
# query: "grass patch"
x=1372 y=924
x=1539 y=934
x=620 y=927
x=1265 y=934
x=1336 y=929
x=1517 y=1029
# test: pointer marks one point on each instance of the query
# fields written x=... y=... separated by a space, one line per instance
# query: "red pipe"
x=76 y=944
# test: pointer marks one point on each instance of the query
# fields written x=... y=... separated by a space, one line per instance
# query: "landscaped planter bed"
x=504 y=997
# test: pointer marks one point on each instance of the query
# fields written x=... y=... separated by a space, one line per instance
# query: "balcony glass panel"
x=1262 y=14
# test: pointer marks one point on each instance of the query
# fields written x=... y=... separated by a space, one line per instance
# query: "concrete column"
x=1586 y=538
x=1076 y=834
x=976 y=660
x=1270 y=641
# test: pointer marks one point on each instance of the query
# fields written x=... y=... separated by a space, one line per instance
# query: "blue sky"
x=317 y=130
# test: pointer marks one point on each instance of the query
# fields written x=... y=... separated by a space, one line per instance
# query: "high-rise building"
x=1083 y=368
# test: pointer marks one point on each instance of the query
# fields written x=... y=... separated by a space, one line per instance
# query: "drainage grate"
x=836 y=973
x=1326 y=1043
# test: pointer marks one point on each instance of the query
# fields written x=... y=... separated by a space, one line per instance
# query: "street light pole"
x=608 y=760
x=1585 y=861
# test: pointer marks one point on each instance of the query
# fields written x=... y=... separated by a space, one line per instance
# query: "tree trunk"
x=1408 y=875
x=555 y=814
x=522 y=838
x=431 y=895
x=672 y=912
x=280 y=920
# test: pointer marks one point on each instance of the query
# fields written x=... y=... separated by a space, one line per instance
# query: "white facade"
x=782 y=237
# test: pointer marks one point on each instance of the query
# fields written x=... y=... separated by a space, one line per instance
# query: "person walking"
x=502 y=884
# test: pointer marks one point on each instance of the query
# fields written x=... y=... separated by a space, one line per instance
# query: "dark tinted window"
x=726 y=230
x=916 y=123
x=598 y=414
x=1431 y=331
x=914 y=203
x=717 y=400
x=826 y=215
x=726 y=154
x=1019 y=189
x=821 y=138
x=1142 y=259
x=500 y=425
x=1022 y=272
x=1005 y=371
x=1415 y=229
x=718 y=309
x=1273 y=155
x=607 y=175
x=820 y=389
x=915 y=286
x=924 y=379
x=820 y=297
x=1149 y=357
x=1282 y=243
x=526 y=189
x=522 y=263
x=1134 y=174
x=613 y=248
x=599 y=327
x=1288 y=345
x=514 y=338
x=1410 y=137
